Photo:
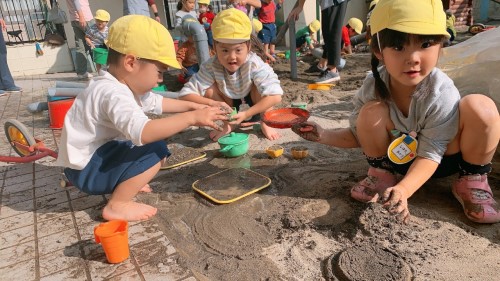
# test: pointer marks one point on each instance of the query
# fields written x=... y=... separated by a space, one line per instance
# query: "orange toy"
x=113 y=236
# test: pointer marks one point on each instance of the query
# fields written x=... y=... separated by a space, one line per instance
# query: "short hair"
x=114 y=57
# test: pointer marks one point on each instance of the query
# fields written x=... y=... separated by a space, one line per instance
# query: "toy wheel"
x=476 y=28
x=17 y=132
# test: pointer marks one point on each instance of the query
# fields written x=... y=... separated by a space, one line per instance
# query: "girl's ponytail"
x=381 y=90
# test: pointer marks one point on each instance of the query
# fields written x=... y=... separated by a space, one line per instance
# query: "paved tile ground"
x=46 y=232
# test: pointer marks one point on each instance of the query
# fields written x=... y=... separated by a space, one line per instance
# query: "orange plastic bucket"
x=113 y=237
x=57 y=112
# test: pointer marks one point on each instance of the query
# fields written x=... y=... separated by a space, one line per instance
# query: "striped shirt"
x=236 y=85
x=97 y=37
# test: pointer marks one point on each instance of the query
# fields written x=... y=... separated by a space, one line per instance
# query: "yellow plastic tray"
x=231 y=185
x=195 y=156
x=324 y=87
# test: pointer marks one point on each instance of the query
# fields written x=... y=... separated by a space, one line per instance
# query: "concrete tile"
x=128 y=276
x=19 y=271
x=16 y=209
x=142 y=232
x=16 y=254
x=62 y=261
x=75 y=193
x=151 y=250
x=83 y=203
x=57 y=242
x=16 y=187
x=51 y=200
x=10 y=198
x=52 y=211
x=87 y=230
x=90 y=215
x=17 y=221
x=22 y=178
x=102 y=270
x=17 y=236
x=168 y=269
x=54 y=225
x=44 y=190
x=76 y=273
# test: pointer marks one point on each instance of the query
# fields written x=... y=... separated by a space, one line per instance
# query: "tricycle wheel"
x=16 y=132
x=476 y=28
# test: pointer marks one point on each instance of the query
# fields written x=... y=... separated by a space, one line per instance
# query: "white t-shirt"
x=106 y=110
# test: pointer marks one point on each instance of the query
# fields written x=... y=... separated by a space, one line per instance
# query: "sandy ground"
x=305 y=226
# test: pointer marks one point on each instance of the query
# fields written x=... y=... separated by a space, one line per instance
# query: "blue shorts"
x=114 y=163
x=268 y=33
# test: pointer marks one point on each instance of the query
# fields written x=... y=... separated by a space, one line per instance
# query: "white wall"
x=23 y=59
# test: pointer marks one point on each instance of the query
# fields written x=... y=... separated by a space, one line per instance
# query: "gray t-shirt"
x=433 y=113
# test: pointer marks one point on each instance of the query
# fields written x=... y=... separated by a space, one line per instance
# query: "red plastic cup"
x=113 y=237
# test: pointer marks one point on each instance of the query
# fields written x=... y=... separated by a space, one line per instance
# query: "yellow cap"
x=314 y=26
x=356 y=24
x=257 y=25
x=206 y=2
x=143 y=37
x=372 y=3
x=421 y=17
x=102 y=15
x=231 y=26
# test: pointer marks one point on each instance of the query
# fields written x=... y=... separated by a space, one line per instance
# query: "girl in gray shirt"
x=410 y=121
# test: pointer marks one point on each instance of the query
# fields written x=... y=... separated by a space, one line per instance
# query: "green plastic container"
x=234 y=144
x=160 y=88
x=100 y=55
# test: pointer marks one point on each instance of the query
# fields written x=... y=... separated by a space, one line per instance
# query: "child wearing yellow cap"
x=353 y=27
x=304 y=37
x=108 y=144
x=97 y=33
x=410 y=120
x=235 y=76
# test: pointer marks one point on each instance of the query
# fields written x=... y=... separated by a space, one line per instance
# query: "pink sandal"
x=377 y=181
x=474 y=193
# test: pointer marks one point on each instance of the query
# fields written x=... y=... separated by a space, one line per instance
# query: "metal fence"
x=171 y=9
x=23 y=19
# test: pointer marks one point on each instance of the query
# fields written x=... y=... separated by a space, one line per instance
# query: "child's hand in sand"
x=395 y=200
x=309 y=131
x=222 y=105
x=208 y=115
x=238 y=118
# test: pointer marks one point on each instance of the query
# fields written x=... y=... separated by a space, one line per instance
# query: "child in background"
x=186 y=56
x=353 y=27
x=97 y=33
x=184 y=8
x=116 y=149
x=242 y=4
x=409 y=118
x=450 y=25
x=304 y=38
x=266 y=15
x=235 y=76
x=206 y=17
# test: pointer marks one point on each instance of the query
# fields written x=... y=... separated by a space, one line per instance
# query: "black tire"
x=476 y=28
x=15 y=131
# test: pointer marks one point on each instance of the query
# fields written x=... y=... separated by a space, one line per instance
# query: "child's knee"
x=480 y=108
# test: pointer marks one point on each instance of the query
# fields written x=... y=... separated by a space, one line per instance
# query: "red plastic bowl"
x=285 y=117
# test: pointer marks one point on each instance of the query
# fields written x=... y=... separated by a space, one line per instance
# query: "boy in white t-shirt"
x=108 y=144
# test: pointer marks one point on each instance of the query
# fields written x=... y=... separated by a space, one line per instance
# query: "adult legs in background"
x=331 y=26
x=6 y=80
x=81 y=50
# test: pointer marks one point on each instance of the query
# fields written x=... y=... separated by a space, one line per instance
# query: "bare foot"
x=129 y=211
x=270 y=133
x=146 y=188
x=216 y=135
